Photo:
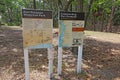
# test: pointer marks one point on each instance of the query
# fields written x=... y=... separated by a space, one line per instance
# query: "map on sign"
x=65 y=33
x=37 y=32
x=71 y=29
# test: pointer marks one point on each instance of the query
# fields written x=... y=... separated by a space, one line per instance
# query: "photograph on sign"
x=37 y=29
x=71 y=27
x=77 y=32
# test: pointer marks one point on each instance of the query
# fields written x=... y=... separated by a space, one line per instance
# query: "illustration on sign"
x=37 y=29
x=71 y=26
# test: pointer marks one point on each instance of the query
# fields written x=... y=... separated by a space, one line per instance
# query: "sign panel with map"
x=37 y=28
x=71 y=26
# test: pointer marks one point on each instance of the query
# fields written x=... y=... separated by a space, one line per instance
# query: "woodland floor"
x=101 y=58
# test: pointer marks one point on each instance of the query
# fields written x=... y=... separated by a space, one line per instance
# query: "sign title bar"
x=26 y=13
x=71 y=15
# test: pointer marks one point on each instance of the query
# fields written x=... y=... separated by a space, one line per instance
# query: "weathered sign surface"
x=71 y=25
x=37 y=28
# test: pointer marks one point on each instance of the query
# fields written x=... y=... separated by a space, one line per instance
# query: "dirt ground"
x=101 y=58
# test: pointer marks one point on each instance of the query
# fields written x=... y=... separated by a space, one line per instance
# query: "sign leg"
x=27 y=77
x=79 y=61
x=59 y=60
x=50 y=58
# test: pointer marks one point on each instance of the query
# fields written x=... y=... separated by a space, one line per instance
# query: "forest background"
x=100 y=15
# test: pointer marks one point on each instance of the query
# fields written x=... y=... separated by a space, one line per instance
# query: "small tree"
x=110 y=22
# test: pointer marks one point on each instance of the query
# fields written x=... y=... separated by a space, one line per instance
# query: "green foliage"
x=117 y=13
x=117 y=16
x=11 y=10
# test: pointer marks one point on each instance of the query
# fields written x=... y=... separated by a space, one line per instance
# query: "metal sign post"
x=79 y=60
x=26 y=58
x=59 y=60
x=50 y=58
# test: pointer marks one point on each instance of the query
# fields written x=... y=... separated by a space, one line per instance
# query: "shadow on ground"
x=101 y=60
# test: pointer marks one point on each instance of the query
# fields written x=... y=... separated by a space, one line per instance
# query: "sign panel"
x=71 y=26
x=37 y=28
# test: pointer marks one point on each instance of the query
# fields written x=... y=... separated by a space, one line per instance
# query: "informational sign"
x=71 y=26
x=37 y=28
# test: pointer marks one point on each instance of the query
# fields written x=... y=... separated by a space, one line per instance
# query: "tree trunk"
x=0 y=24
x=34 y=4
x=102 y=24
x=93 y=22
x=67 y=5
x=88 y=12
x=71 y=7
x=9 y=14
x=110 y=22
x=60 y=5
x=80 y=5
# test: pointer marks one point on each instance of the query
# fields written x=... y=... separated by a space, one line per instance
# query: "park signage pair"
x=38 y=32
